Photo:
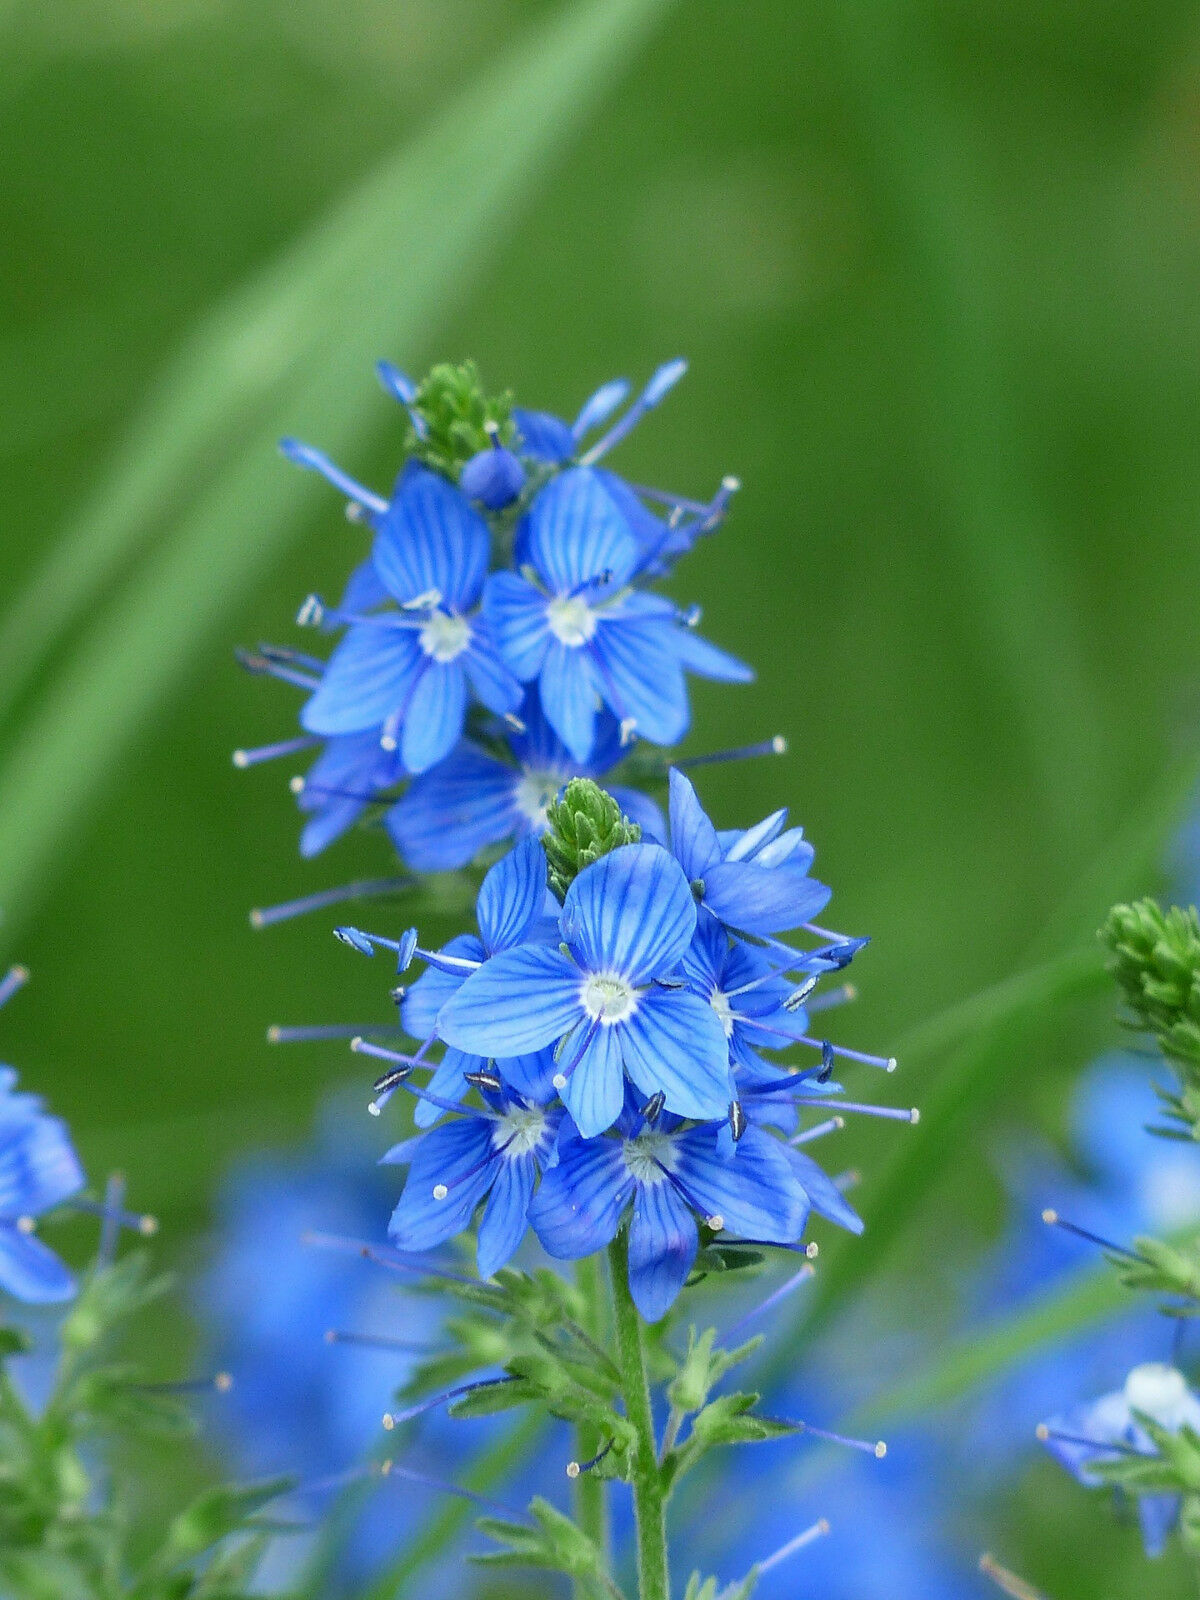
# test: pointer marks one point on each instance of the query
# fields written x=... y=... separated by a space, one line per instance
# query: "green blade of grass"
x=293 y=353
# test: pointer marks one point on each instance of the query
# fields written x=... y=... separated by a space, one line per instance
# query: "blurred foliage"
x=935 y=269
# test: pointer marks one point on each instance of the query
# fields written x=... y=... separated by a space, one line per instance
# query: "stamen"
x=303 y=455
x=1053 y=1220
x=737 y=1120
x=327 y=1030
x=818 y=1531
x=660 y=384
x=390 y=1470
x=364 y=943
x=393 y=1260
x=870 y=1447
x=261 y=665
x=270 y=752
x=1042 y=1433
x=840 y=996
x=885 y=1063
x=850 y=1179
x=892 y=1113
x=311 y=613
x=561 y=1077
x=15 y=978
x=747 y=752
x=376 y=1341
x=364 y=889
x=576 y=1469
x=136 y=1222
x=484 y=1080
x=830 y=1125
x=110 y=1228
x=805 y=1273
x=1008 y=1581
x=393 y=1419
x=799 y=995
x=222 y=1382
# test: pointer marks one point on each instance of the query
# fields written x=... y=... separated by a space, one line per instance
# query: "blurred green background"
x=936 y=270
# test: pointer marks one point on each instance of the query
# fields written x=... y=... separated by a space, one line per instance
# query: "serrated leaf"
x=554 y=1543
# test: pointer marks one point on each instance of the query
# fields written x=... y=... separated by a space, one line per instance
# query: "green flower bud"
x=1155 y=959
x=583 y=826
x=460 y=419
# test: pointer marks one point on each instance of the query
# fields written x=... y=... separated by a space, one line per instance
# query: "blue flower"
x=609 y=1000
x=754 y=881
x=410 y=672
x=493 y=1154
x=1107 y=1430
x=509 y=907
x=571 y=621
x=38 y=1171
x=494 y=477
x=669 y=1174
x=341 y=783
x=475 y=799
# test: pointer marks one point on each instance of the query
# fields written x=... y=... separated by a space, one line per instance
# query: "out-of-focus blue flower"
x=475 y=799
x=39 y=1170
x=610 y=1003
x=495 y=1154
x=668 y=1174
x=411 y=672
x=343 y=781
x=1107 y=1430
x=495 y=477
x=752 y=881
x=570 y=620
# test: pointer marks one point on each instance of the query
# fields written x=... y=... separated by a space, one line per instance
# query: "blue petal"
x=756 y=1193
x=574 y=532
x=494 y=476
x=494 y=685
x=826 y=1198
x=662 y=1248
x=515 y=613
x=746 y=845
x=693 y=837
x=364 y=591
x=699 y=656
x=329 y=824
x=579 y=1206
x=595 y=1090
x=450 y=1155
x=38 y=1166
x=368 y=677
x=600 y=406
x=506 y=1217
x=433 y=719
x=520 y=1001
x=30 y=1271
x=640 y=678
x=455 y=810
x=674 y=1042
x=763 y=900
x=427 y=996
x=511 y=897
x=543 y=436
x=431 y=538
x=531 y=1076
x=569 y=697
x=448 y=1083
x=1158 y=1514
x=631 y=912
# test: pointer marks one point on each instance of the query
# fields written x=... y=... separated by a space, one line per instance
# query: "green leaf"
x=214 y=1515
x=14 y=1342
x=703 y=1367
x=292 y=353
x=553 y=1544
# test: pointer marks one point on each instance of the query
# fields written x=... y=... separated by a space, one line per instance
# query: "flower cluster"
x=615 y=1046
x=502 y=635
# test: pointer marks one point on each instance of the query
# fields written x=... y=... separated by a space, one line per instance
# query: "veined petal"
x=431 y=537
x=569 y=697
x=631 y=912
x=426 y=997
x=30 y=1271
x=515 y=613
x=38 y=1167
x=573 y=533
x=328 y=824
x=640 y=678
x=519 y=1001
x=595 y=1090
x=511 y=896
x=579 y=1206
x=455 y=810
x=369 y=676
x=433 y=722
x=448 y=1083
x=662 y=1248
x=365 y=589
x=506 y=1217
x=494 y=685
x=451 y=1156
x=763 y=899
x=756 y=1193
x=751 y=840
x=674 y=1042
x=706 y=660
x=531 y=1076
x=693 y=837
x=543 y=436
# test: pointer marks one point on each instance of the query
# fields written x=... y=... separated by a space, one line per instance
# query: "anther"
x=559 y=1080
x=296 y=783
x=440 y=1191
x=716 y=1222
x=737 y=1119
x=483 y=1080
x=12 y=981
x=26 y=1225
x=312 y=613
x=653 y=1109
x=812 y=1250
x=1052 y=1219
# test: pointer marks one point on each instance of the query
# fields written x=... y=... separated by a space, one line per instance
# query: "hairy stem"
x=649 y=1502
x=591 y=1493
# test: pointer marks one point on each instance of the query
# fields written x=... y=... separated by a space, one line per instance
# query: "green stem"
x=591 y=1493
x=649 y=1502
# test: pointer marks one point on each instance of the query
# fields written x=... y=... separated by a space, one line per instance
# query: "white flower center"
x=608 y=998
x=571 y=620
x=648 y=1154
x=445 y=636
x=1161 y=1392
x=535 y=794
x=719 y=1001
x=519 y=1130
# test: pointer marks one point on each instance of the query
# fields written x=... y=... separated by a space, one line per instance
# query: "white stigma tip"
x=812 y=1250
x=356 y=1043
x=440 y=1191
x=572 y=1470
x=779 y=745
x=716 y=1222
x=273 y=1034
x=147 y=1227
x=892 y=1064
x=19 y=974
x=388 y=742
x=25 y=1224
x=256 y=919
x=851 y=992
x=839 y=1123
x=1041 y=1432
x=223 y=1382
x=389 y=1421
x=296 y=784
x=240 y=758
x=881 y=1450
x=1049 y=1216
x=823 y=1524
x=628 y=730
x=374 y=1109
x=914 y=1116
x=559 y=1081
x=731 y=485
